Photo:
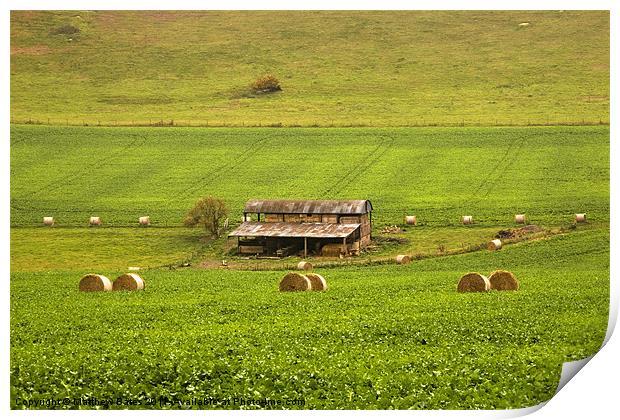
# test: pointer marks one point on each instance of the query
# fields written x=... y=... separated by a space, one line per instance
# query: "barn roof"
x=309 y=206
x=295 y=230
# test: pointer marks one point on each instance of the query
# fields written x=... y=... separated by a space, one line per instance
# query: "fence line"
x=568 y=121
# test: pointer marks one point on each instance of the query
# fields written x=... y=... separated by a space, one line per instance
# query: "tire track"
x=369 y=160
x=224 y=168
x=490 y=180
x=54 y=185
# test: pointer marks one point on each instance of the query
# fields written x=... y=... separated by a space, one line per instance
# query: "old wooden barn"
x=305 y=227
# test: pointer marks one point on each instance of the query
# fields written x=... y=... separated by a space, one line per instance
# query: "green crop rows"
x=382 y=337
x=439 y=174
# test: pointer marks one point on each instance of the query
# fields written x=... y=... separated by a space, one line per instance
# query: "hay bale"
x=403 y=259
x=580 y=217
x=95 y=221
x=411 y=220
x=473 y=282
x=317 y=282
x=95 y=283
x=520 y=218
x=503 y=280
x=467 y=220
x=524 y=24
x=494 y=245
x=295 y=282
x=128 y=281
x=133 y=268
x=48 y=221
x=144 y=220
x=304 y=265
x=332 y=250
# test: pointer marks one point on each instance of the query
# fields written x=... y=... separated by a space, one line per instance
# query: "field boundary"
x=421 y=122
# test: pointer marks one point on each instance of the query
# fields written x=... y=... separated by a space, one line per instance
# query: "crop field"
x=381 y=337
x=228 y=333
x=492 y=173
x=336 y=68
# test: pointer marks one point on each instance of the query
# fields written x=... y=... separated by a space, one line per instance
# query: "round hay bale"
x=317 y=282
x=494 y=245
x=580 y=217
x=95 y=221
x=467 y=220
x=473 y=282
x=403 y=259
x=128 y=281
x=95 y=283
x=304 y=265
x=295 y=282
x=411 y=220
x=144 y=220
x=48 y=221
x=520 y=218
x=503 y=280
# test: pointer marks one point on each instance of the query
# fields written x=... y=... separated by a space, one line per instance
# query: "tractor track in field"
x=216 y=174
x=52 y=186
x=490 y=179
x=369 y=160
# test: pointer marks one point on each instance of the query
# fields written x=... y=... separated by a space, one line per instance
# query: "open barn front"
x=303 y=239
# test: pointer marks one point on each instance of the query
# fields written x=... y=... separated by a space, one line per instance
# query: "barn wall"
x=329 y=218
x=273 y=218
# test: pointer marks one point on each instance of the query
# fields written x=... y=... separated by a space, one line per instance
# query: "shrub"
x=266 y=84
x=65 y=30
x=209 y=212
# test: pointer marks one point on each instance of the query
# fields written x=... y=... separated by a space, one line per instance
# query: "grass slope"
x=222 y=334
x=370 y=68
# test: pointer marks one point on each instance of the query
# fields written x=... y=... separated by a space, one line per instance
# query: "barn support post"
x=305 y=247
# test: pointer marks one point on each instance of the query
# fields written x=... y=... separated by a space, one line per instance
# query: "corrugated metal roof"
x=295 y=230
x=309 y=206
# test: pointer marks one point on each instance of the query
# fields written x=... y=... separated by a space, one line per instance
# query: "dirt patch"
x=519 y=232
x=32 y=50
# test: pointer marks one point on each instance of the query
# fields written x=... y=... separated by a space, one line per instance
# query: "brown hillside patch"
x=32 y=50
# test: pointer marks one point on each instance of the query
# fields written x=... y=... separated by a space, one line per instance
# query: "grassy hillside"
x=224 y=334
x=340 y=68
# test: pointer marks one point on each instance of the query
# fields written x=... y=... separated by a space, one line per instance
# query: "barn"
x=305 y=227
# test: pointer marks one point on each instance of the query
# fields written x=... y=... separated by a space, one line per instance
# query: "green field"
x=382 y=337
x=336 y=68
x=439 y=174
x=226 y=333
